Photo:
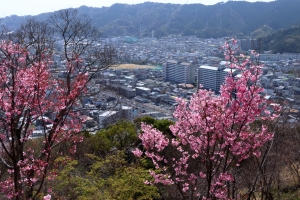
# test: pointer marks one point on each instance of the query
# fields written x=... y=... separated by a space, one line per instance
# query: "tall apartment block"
x=247 y=44
x=211 y=78
x=179 y=72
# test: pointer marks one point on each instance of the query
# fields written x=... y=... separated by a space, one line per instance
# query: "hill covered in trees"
x=282 y=41
x=238 y=18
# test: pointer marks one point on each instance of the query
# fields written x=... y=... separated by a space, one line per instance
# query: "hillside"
x=234 y=18
x=282 y=41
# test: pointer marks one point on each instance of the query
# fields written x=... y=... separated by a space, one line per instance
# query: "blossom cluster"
x=28 y=94
x=212 y=133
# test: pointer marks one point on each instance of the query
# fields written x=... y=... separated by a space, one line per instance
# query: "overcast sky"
x=34 y=7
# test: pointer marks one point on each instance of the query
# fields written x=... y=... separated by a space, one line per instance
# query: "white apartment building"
x=179 y=72
x=248 y=43
x=211 y=78
x=208 y=77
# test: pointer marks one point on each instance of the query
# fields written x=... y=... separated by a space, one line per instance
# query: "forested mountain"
x=282 y=41
x=233 y=18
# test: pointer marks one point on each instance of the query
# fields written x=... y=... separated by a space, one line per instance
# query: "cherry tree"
x=213 y=134
x=28 y=94
x=32 y=98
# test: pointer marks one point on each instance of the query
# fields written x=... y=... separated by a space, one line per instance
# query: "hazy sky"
x=34 y=7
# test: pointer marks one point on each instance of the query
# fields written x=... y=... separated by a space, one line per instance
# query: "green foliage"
x=109 y=178
x=104 y=168
x=122 y=134
x=147 y=119
x=119 y=135
x=161 y=124
x=99 y=143
x=70 y=182
x=147 y=163
x=128 y=184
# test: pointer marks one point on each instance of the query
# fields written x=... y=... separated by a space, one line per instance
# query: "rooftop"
x=208 y=67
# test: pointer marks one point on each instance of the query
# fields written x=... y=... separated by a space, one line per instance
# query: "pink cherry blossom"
x=47 y=197
x=137 y=152
x=212 y=133
x=28 y=93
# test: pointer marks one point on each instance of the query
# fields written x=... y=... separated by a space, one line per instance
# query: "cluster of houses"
x=194 y=61
x=182 y=63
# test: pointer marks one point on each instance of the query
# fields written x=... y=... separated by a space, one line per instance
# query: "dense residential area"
x=174 y=67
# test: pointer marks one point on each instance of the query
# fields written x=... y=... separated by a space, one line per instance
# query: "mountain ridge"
x=233 y=18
